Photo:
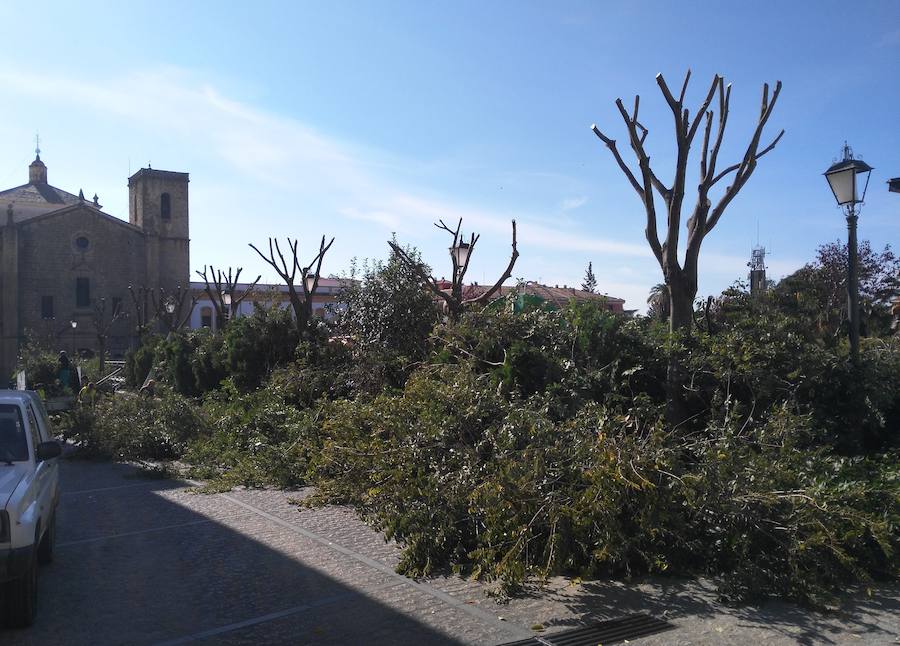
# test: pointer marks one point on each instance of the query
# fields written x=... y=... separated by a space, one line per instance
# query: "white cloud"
x=277 y=151
x=573 y=203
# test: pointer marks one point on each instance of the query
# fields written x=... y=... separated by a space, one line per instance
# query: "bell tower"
x=757 y=266
x=158 y=204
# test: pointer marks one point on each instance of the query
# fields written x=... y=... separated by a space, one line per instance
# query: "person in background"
x=88 y=394
x=64 y=371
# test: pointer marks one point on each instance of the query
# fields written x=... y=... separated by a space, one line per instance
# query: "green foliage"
x=254 y=439
x=816 y=294
x=254 y=345
x=388 y=313
x=756 y=356
x=139 y=361
x=463 y=478
x=128 y=426
x=42 y=369
x=518 y=443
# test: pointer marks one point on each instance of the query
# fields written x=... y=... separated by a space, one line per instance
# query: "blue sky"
x=361 y=119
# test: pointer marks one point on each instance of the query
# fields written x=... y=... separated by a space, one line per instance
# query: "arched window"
x=165 y=206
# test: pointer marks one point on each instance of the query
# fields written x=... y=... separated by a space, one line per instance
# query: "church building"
x=66 y=265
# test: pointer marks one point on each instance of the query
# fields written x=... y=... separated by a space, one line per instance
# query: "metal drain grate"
x=605 y=632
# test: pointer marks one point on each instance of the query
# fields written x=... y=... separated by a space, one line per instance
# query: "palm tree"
x=658 y=302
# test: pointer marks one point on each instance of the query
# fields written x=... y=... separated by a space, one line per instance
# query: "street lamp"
x=894 y=185
x=226 y=301
x=460 y=252
x=842 y=178
x=74 y=325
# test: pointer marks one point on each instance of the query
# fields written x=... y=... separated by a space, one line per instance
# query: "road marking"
x=478 y=613
x=272 y=616
x=136 y=533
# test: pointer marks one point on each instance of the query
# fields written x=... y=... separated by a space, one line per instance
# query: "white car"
x=29 y=494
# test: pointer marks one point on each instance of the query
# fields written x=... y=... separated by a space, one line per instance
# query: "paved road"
x=152 y=562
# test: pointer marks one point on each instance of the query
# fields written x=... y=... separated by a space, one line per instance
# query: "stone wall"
x=50 y=262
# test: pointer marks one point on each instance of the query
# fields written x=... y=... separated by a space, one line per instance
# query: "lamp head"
x=842 y=178
x=460 y=253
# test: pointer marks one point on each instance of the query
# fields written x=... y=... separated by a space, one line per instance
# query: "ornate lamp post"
x=226 y=301
x=842 y=178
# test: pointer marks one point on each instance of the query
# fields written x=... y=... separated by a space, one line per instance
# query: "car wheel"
x=21 y=598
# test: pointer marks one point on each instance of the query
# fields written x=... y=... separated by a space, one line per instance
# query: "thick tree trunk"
x=681 y=303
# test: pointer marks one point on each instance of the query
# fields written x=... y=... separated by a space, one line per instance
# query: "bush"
x=464 y=479
x=388 y=313
x=255 y=345
x=130 y=427
x=41 y=366
x=254 y=439
x=139 y=361
x=517 y=444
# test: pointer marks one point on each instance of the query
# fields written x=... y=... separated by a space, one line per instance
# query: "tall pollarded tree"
x=454 y=299
x=681 y=277
x=224 y=292
x=301 y=302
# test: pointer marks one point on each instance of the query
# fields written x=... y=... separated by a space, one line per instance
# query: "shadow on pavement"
x=143 y=561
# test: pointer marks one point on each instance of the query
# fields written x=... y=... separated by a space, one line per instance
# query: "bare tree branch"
x=611 y=144
x=218 y=284
x=734 y=167
x=419 y=268
x=483 y=298
x=302 y=306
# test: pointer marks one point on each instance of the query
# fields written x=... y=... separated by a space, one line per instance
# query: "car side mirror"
x=48 y=450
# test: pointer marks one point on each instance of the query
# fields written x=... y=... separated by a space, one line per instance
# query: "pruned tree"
x=143 y=313
x=173 y=309
x=455 y=301
x=301 y=302
x=589 y=284
x=681 y=277
x=223 y=292
x=103 y=323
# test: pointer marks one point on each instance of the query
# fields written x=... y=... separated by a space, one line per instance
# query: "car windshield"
x=13 y=445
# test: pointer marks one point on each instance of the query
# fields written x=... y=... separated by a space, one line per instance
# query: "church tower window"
x=165 y=206
x=82 y=292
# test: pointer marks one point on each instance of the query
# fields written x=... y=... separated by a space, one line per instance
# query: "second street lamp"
x=843 y=179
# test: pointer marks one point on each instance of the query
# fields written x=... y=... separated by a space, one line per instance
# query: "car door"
x=45 y=429
x=44 y=471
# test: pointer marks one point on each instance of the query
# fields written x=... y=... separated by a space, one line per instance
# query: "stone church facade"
x=62 y=256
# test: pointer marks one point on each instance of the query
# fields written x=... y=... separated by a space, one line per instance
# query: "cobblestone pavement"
x=143 y=561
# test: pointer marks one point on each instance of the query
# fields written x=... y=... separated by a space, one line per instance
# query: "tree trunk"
x=681 y=304
x=101 y=342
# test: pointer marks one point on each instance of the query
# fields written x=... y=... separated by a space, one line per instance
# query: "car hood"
x=10 y=477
